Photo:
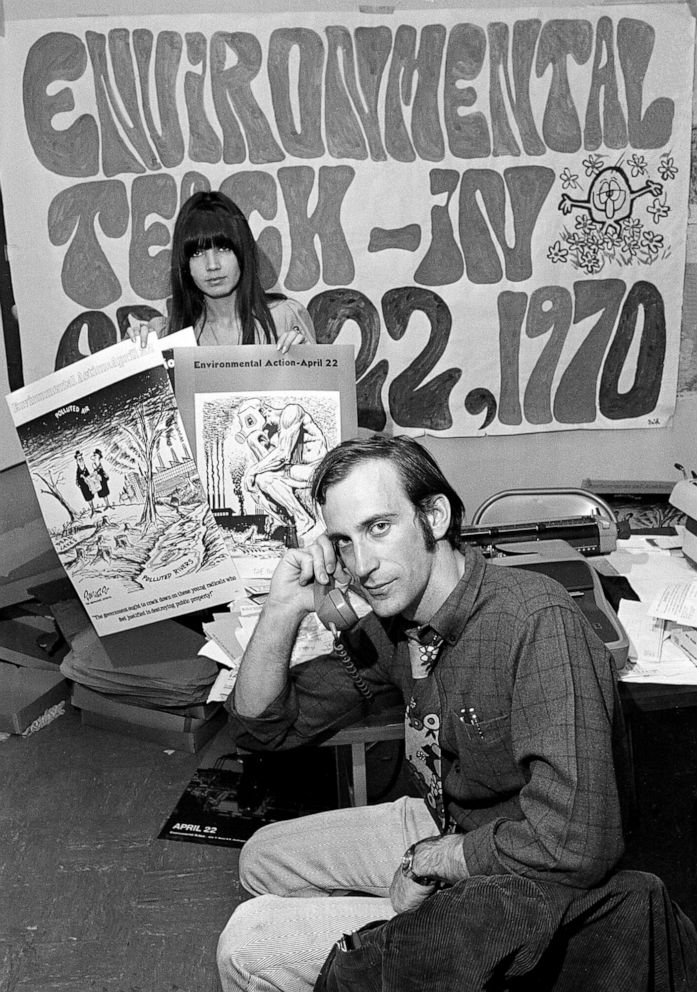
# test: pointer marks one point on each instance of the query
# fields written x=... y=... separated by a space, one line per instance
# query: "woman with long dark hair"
x=215 y=282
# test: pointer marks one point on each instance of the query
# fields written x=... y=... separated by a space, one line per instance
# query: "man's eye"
x=341 y=543
x=380 y=528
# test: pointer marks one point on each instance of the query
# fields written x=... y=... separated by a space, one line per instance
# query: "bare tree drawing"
x=51 y=486
x=153 y=422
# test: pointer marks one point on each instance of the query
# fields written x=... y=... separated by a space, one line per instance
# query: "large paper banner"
x=260 y=423
x=119 y=492
x=489 y=205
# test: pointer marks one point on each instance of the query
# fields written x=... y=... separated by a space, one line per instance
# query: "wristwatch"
x=408 y=871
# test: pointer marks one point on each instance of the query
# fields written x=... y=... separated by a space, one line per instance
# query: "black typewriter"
x=558 y=546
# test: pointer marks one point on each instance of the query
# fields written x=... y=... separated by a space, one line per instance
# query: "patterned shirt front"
x=530 y=722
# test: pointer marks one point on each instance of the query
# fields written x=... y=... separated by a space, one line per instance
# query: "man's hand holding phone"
x=264 y=669
x=292 y=584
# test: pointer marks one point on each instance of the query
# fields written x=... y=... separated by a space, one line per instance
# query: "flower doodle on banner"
x=605 y=229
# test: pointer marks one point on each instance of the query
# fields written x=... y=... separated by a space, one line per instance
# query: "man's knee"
x=252 y=858
x=260 y=854
x=248 y=934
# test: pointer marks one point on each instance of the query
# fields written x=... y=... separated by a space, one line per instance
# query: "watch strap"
x=408 y=871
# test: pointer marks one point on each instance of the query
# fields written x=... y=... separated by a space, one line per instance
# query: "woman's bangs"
x=207 y=230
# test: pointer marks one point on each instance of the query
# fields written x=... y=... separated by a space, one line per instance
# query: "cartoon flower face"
x=610 y=196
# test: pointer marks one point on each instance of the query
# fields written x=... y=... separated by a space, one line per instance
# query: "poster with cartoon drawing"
x=260 y=422
x=118 y=489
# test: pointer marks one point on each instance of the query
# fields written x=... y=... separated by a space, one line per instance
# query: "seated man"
x=295 y=444
x=512 y=727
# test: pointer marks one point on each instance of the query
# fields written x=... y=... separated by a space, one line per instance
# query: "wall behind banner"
x=477 y=466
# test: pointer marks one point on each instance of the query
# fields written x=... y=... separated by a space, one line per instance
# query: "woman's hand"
x=139 y=330
x=295 y=335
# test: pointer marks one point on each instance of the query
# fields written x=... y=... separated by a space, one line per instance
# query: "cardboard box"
x=19 y=643
x=166 y=727
x=26 y=694
x=201 y=711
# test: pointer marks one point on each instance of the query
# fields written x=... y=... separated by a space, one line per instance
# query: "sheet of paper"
x=313 y=639
x=648 y=571
x=677 y=602
x=229 y=634
x=225 y=633
x=677 y=673
x=213 y=651
x=686 y=639
x=223 y=685
x=259 y=423
x=645 y=632
x=667 y=542
x=653 y=655
x=178 y=339
x=643 y=542
x=119 y=491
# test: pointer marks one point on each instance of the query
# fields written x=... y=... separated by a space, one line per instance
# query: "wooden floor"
x=92 y=901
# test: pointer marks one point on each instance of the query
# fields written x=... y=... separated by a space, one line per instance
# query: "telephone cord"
x=350 y=666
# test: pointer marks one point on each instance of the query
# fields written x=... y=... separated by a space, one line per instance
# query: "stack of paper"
x=230 y=631
x=157 y=665
x=662 y=627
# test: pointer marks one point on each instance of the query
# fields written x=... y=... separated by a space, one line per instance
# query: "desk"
x=648 y=697
x=386 y=725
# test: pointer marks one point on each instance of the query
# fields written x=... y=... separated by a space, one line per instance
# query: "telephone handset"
x=333 y=608
x=336 y=613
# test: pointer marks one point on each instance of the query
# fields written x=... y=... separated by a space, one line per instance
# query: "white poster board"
x=260 y=422
x=118 y=489
x=491 y=207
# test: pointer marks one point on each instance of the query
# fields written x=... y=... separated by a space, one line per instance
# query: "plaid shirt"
x=533 y=784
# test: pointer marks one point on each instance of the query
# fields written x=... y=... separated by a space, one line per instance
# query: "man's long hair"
x=213 y=220
x=420 y=475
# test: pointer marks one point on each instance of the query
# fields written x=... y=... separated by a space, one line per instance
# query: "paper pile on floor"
x=158 y=665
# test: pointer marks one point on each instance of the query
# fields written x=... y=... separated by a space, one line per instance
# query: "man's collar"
x=450 y=619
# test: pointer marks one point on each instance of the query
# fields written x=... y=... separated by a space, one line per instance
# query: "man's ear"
x=439 y=515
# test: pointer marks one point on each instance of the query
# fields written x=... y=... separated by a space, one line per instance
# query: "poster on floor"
x=229 y=802
x=492 y=208
x=118 y=489
x=260 y=422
